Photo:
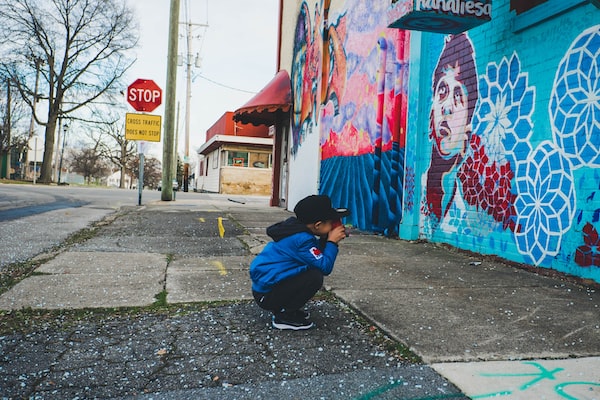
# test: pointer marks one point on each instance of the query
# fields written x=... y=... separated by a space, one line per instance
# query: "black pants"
x=291 y=294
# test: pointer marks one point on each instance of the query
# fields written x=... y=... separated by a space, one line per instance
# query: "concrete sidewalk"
x=489 y=328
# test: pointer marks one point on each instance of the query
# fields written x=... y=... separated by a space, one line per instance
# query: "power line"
x=225 y=86
x=187 y=18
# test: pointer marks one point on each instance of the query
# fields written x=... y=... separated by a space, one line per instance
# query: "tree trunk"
x=46 y=172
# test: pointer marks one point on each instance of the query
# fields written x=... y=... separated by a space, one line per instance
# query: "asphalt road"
x=35 y=218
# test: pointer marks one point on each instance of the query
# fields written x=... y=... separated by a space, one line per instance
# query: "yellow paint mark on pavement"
x=221 y=227
x=201 y=219
x=220 y=266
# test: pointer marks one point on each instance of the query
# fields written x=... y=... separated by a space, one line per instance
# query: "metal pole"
x=171 y=95
x=141 y=179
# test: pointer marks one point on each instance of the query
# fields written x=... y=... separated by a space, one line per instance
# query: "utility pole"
x=176 y=139
x=166 y=193
x=188 y=97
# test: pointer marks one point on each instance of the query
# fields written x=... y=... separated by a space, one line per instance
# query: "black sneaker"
x=296 y=320
x=302 y=314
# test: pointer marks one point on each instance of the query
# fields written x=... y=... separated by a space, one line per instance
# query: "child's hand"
x=336 y=234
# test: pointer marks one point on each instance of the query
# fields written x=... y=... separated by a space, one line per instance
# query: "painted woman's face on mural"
x=449 y=114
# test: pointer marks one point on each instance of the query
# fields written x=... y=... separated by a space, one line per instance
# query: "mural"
x=501 y=176
x=454 y=98
x=305 y=74
x=575 y=120
x=511 y=162
x=363 y=115
x=469 y=164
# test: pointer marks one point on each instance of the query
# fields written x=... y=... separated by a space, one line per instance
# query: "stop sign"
x=144 y=95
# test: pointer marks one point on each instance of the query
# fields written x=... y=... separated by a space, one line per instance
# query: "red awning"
x=271 y=102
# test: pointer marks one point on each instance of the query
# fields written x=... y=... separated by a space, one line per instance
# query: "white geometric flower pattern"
x=575 y=101
x=545 y=204
x=503 y=118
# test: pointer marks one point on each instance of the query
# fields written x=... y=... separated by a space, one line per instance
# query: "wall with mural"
x=513 y=134
x=487 y=140
x=349 y=86
x=303 y=33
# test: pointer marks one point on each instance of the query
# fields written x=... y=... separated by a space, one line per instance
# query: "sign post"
x=143 y=95
x=141 y=147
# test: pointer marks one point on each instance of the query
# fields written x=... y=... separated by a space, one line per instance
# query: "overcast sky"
x=237 y=51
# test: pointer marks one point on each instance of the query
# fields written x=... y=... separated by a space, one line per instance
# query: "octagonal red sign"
x=144 y=95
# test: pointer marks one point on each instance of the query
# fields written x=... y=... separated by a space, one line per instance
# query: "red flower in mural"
x=471 y=185
x=589 y=253
x=487 y=185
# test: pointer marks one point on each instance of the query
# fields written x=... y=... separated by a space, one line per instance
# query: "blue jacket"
x=294 y=250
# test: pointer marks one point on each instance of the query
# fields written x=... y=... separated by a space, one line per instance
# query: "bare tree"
x=113 y=145
x=89 y=163
x=75 y=47
x=152 y=170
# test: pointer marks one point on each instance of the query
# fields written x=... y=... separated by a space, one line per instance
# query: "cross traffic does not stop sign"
x=144 y=95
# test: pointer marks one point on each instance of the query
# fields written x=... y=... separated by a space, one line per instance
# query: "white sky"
x=238 y=50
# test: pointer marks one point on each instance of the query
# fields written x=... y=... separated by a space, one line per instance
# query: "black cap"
x=318 y=208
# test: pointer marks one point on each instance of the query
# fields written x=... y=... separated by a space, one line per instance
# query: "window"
x=247 y=159
x=237 y=158
x=260 y=160
x=521 y=6
x=533 y=12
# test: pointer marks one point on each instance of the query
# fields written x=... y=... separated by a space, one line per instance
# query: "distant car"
x=175 y=185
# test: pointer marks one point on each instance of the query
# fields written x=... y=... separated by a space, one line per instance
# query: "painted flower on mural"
x=545 y=203
x=503 y=117
x=575 y=101
x=588 y=254
x=486 y=184
x=498 y=123
x=502 y=127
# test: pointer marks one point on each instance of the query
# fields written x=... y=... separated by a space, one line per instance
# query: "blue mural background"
x=545 y=125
